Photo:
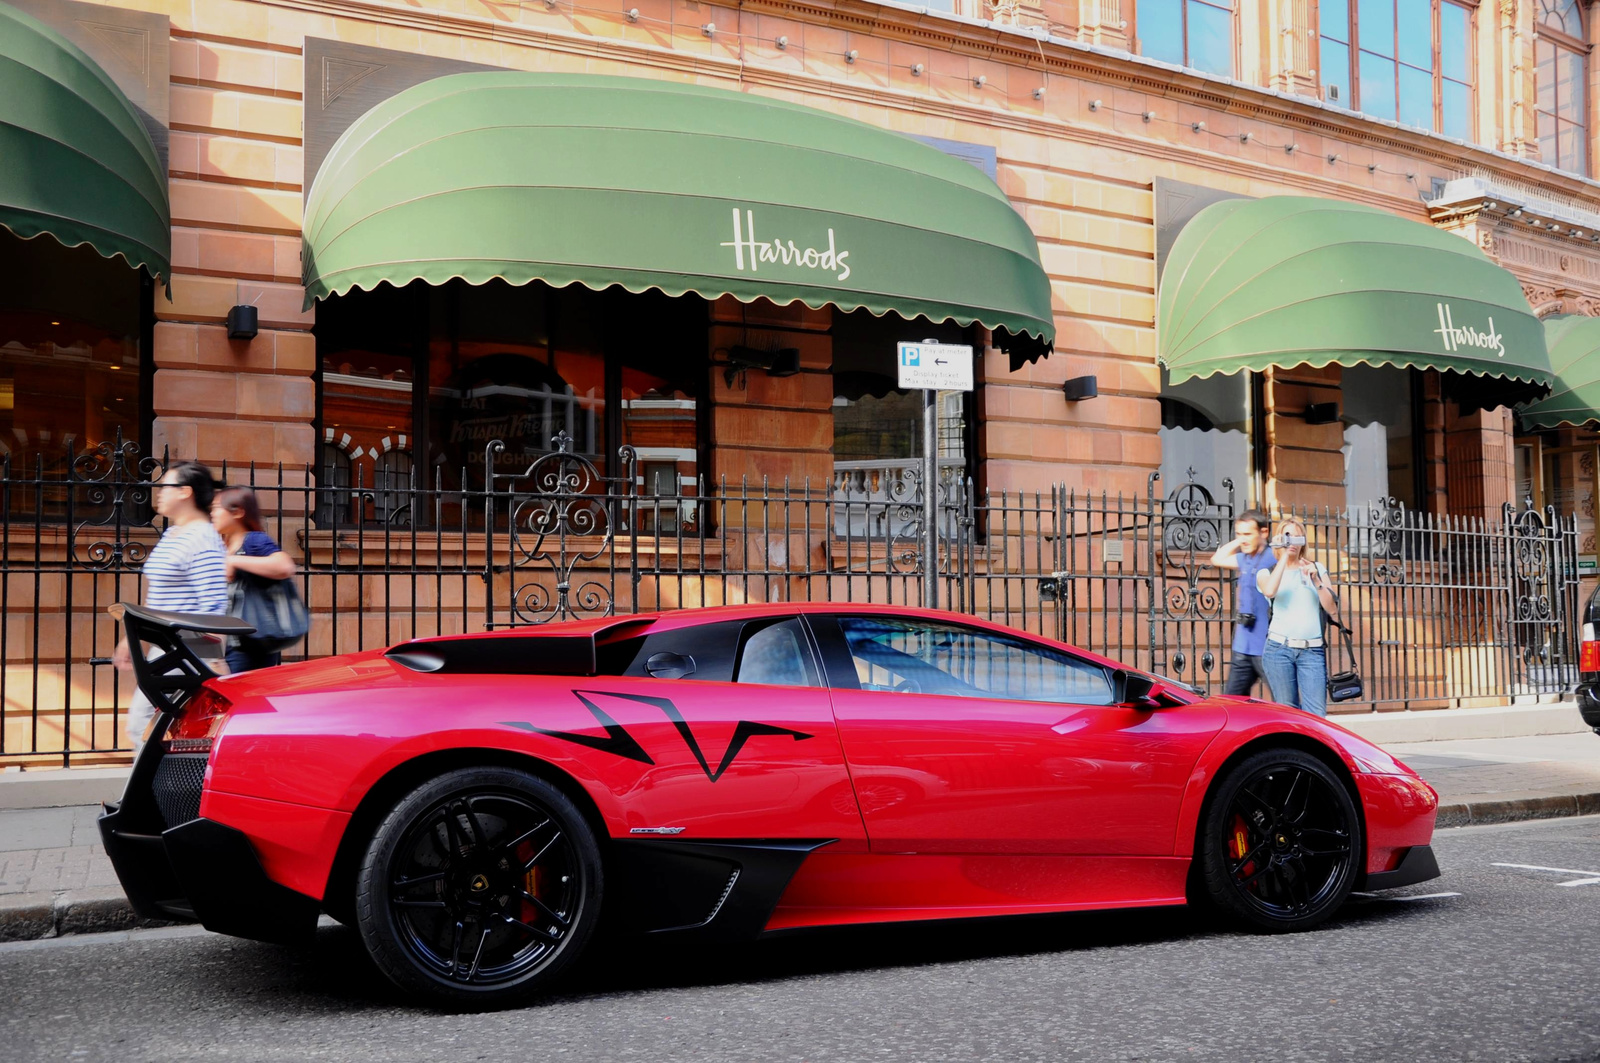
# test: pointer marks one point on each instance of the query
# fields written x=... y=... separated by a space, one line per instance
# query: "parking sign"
x=936 y=366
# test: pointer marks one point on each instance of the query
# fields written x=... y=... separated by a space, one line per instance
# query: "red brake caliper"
x=1239 y=844
x=530 y=882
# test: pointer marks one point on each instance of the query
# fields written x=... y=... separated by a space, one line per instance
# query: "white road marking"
x=1407 y=897
x=1589 y=878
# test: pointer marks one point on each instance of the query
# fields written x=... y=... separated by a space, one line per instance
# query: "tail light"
x=1589 y=651
x=196 y=729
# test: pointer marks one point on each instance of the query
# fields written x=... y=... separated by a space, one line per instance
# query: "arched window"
x=1561 y=79
x=333 y=481
x=391 y=482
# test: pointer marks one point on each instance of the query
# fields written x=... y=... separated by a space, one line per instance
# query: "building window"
x=1192 y=33
x=1561 y=77
x=1409 y=61
x=1207 y=426
x=521 y=365
x=71 y=365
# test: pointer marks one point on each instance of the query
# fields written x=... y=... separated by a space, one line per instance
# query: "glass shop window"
x=70 y=357
x=1207 y=425
x=877 y=427
x=1380 y=442
x=417 y=382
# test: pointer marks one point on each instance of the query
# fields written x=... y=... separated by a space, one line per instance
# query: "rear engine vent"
x=179 y=779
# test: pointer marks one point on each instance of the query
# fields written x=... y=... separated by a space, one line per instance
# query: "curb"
x=32 y=916
x=1516 y=809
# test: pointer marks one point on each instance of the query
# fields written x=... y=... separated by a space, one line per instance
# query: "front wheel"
x=1281 y=841
x=479 y=888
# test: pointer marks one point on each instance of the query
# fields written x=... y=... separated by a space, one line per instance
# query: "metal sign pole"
x=930 y=499
x=932 y=367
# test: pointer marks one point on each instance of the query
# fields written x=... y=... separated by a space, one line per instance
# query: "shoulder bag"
x=1344 y=686
x=271 y=606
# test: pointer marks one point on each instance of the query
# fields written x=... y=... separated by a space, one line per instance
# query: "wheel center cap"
x=479 y=883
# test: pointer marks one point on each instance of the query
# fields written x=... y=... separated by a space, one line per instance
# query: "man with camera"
x=1247 y=553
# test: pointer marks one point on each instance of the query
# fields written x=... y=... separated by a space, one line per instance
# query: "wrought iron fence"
x=1444 y=609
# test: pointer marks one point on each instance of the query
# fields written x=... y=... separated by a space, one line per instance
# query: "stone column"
x=1102 y=22
x=1290 y=33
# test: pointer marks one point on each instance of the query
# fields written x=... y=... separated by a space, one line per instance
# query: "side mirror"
x=1129 y=687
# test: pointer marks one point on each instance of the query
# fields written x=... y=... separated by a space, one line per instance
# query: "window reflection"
x=1192 y=33
x=1560 y=77
x=416 y=383
x=1404 y=60
x=1206 y=425
x=69 y=352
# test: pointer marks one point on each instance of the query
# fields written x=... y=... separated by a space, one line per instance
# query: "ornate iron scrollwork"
x=111 y=475
x=1191 y=531
x=559 y=518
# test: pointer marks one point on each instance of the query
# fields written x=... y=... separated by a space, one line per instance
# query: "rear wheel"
x=479 y=888
x=1281 y=841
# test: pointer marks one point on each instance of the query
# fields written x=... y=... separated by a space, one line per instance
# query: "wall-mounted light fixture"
x=1081 y=387
x=851 y=55
x=242 y=323
x=1038 y=93
x=779 y=361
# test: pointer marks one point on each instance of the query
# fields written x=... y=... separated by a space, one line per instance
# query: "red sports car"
x=476 y=805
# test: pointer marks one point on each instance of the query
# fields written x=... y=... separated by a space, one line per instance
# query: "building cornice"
x=1019 y=47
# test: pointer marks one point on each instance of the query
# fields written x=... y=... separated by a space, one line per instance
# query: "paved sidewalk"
x=55 y=878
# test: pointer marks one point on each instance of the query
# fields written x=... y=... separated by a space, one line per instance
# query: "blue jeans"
x=1298 y=678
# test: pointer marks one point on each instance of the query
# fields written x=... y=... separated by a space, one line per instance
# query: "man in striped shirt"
x=186 y=572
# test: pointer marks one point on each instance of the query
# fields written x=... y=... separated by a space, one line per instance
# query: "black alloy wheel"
x=479 y=888
x=1281 y=843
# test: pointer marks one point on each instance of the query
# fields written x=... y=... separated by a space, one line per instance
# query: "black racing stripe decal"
x=619 y=742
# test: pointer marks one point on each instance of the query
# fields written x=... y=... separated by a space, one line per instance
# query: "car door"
x=718 y=730
x=962 y=739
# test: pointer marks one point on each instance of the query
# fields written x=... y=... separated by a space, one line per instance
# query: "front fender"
x=1250 y=723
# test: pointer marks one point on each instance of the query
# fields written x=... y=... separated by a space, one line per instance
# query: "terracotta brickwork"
x=1078 y=159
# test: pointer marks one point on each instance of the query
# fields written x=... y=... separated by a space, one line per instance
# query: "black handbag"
x=1344 y=686
x=271 y=606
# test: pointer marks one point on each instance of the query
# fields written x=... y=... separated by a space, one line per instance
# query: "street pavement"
x=55 y=878
x=1499 y=960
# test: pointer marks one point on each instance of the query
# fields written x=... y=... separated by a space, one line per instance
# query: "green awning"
x=1574 y=343
x=646 y=184
x=76 y=161
x=1292 y=280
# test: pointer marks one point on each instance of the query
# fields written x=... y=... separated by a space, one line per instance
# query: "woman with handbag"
x=1295 y=659
x=259 y=581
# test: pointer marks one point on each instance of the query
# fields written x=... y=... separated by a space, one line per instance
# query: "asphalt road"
x=1506 y=969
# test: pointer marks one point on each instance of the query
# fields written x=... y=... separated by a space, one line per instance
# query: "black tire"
x=1281 y=842
x=479 y=888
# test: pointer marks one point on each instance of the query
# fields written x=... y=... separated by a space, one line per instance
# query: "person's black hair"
x=197 y=478
x=1262 y=520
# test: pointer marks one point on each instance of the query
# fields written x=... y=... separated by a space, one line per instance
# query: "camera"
x=1289 y=540
x=1247 y=619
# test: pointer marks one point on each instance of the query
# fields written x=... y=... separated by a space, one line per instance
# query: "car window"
x=776 y=655
x=927 y=657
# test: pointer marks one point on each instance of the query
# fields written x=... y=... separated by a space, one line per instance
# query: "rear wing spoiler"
x=174 y=669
